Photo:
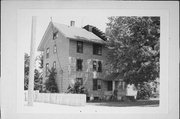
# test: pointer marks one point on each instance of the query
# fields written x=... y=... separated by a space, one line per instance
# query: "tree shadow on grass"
x=127 y=104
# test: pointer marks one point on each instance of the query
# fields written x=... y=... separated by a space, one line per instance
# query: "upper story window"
x=55 y=49
x=79 y=65
x=47 y=69
x=97 y=49
x=79 y=46
x=97 y=66
x=54 y=64
x=94 y=65
x=47 y=53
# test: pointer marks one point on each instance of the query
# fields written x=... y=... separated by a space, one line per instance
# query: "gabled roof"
x=72 y=32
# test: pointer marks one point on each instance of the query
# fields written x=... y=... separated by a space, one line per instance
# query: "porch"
x=114 y=86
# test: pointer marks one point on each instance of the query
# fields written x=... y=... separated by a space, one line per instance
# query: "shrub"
x=77 y=88
x=144 y=91
x=50 y=83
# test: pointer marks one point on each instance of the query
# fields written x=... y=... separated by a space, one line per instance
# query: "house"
x=78 y=54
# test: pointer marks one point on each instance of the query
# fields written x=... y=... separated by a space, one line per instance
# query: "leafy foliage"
x=37 y=75
x=39 y=59
x=134 y=47
x=51 y=85
x=77 y=88
x=26 y=70
x=144 y=91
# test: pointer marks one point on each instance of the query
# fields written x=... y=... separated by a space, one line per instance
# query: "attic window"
x=55 y=48
x=55 y=35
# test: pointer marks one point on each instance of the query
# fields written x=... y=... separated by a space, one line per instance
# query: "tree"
x=39 y=59
x=134 y=47
x=37 y=80
x=51 y=85
x=37 y=74
x=26 y=70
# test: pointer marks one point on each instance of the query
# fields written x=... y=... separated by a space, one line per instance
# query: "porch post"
x=113 y=85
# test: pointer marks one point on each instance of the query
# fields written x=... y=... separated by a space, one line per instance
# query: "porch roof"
x=114 y=77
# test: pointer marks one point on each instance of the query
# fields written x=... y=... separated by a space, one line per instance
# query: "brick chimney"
x=72 y=23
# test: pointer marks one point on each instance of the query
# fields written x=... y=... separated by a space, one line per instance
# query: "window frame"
x=55 y=35
x=79 y=67
x=47 y=52
x=47 y=69
x=99 y=82
x=95 y=84
x=79 y=47
x=54 y=64
x=99 y=68
x=94 y=65
x=108 y=84
x=97 y=49
x=55 y=49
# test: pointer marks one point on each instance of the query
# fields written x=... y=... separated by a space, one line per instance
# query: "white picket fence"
x=58 y=98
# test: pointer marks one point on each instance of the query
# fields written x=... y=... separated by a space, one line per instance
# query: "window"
x=99 y=66
x=97 y=49
x=80 y=80
x=55 y=35
x=47 y=69
x=55 y=49
x=79 y=65
x=94 y=65
x=99 y=84
x=109 y=85
x=95 y=84
x=121 y=85
x=79 y=47
x=47 y=53
x=54 y=64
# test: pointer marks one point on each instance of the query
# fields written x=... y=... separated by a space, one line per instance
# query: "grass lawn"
x=148 y=103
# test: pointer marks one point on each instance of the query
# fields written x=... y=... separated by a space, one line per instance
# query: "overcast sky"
x=82 y=17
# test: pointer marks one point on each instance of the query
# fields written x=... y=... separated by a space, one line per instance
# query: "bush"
x=77 y=88
x=50 y=83
x=144 y=91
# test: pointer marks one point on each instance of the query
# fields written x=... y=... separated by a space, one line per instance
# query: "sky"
x=82 y=17
x=43 y=21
